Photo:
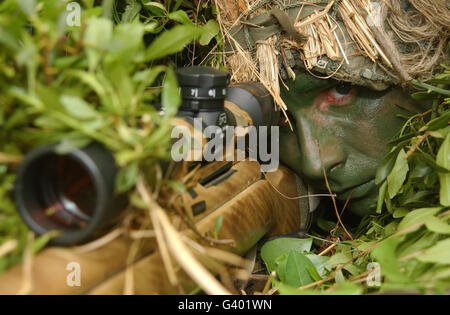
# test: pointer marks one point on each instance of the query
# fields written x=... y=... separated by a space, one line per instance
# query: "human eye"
x=339 y=95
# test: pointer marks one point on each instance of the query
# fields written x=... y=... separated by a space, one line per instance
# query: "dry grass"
x=430 y=23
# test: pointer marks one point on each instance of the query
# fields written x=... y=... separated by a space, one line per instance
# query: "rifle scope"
x=74 y=193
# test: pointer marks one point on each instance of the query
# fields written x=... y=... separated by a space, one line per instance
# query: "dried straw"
x=27 y=267
x=424 y=33
x=419 y=46
x=171 y=243
x=8 y=247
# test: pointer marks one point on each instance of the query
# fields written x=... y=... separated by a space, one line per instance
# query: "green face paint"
x=342 y=130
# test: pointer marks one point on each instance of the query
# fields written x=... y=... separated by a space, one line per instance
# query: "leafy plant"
x=101 y=81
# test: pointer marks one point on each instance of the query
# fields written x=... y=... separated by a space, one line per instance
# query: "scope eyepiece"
x=71 y=193
x=203 y=91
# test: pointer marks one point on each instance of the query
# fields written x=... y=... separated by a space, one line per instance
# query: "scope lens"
x=63 y=194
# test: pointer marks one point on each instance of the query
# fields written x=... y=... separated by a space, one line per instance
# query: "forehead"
x=306 y=82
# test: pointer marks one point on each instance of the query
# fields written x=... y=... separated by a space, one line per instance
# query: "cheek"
x=367 y=140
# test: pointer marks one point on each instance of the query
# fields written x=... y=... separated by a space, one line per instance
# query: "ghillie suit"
x=266 y=40
x=368 y=43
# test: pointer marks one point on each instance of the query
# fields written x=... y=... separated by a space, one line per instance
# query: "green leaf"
x=417 y=216
x=280 y=267
x=126 y=178
x=171 y=41
x=314 y=273
x=209 y=31
x=422 y=96
x=443 y=160
x=400 y=213
x=297 y=273
x=178 y=186
x=78 y=108
x=436 y=225
x=273 y=249
x=131 y=11
x=124 y=44
x=155 y=5
x=97 y=36
x=177 y=5
x=180 y=16
x=344 y=288
x=338 y=259
x=386 y=164
x=381 y=197
x=91 y=80
x=438 y=123
x=7 y=39
x=397 y=176
x=386 y=256
x=439 y=253
x=426 y=158
x=319 y=262
x=68 y=144
x=40 y=242
x=339 y=276
x=45 y=121
x=430 y=87
x=218 y=225
x=28 y=7
x=417 y=242
x=170 y=97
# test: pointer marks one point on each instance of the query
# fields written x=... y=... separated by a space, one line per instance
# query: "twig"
x=268 y=282
x=192 y=226
x=168 y=265
x=184 y=257
x=8 y=247
x=330 y=192
x=27 y=267
x=416 y=145
x=296 y=197
x=326 y=250
x=129 y=272
x=9 y=159
x=99 y=242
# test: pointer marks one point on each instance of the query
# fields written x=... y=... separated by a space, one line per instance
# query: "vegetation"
x=101 y=81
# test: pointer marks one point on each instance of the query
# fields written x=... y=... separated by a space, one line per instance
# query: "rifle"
x=252 y=204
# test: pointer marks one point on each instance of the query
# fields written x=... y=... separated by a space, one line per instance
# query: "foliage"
x=408 y=236
x=100 y=81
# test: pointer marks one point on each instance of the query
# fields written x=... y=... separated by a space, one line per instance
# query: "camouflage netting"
x=370 y=43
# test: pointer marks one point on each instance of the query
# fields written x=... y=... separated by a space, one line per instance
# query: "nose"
x=319 y=144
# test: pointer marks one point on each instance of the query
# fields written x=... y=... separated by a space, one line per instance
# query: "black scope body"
x=74 y=193
x=205 y=92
